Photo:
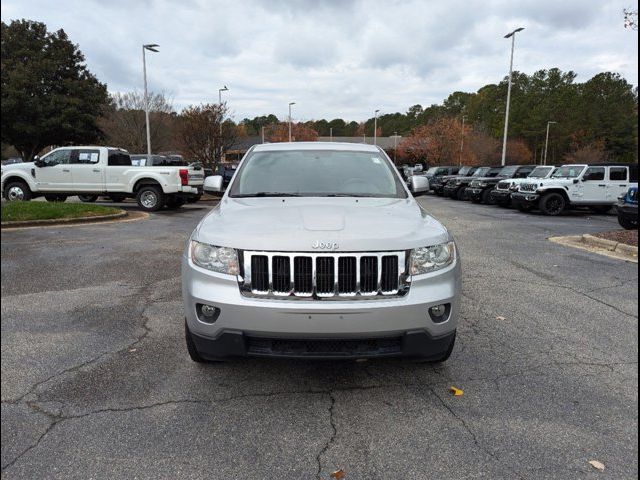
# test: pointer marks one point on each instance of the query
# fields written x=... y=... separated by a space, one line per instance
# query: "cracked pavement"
x=96 y=382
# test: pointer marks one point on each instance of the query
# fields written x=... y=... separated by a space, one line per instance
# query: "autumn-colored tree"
x=205 y=134
x=483 y=149
x=518 y=153
x=299 y=133
x=437 y=143
x=590 y=153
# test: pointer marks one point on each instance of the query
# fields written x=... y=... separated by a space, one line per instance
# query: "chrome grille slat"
x=324 y=276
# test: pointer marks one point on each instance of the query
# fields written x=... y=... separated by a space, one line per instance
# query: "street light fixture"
x=546 y=142
x=152 y=47
x=290 y=103
x=511 y=35
x=220 y=90
x=375 y=127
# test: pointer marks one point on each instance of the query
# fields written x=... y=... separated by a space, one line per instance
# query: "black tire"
x=17 y=191
x=191 y=346
x=602 y=209
x=553 y=204
x=150 y=198
x=487 y=198
x=445 y=356
x=88 y=198
x=55 y=198
x=524 y=208
x=117 y=197
x=174 y=202
x=627 y=223
x=460 y=194
x=194 y=199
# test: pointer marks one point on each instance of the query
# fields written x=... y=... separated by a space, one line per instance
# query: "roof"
x=343 y=146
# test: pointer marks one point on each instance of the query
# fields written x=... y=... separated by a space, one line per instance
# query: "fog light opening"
x=207 y=313
x=440 y=313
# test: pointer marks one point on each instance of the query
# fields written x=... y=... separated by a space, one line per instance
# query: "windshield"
x=481 y=172
x=464 y=170
x=316 y=173
x=508 y=172
x=540 y=172
x=568 y=171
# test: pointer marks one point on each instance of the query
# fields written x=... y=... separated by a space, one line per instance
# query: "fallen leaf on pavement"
x=338 y=474
x=500 y=318
x=456 y=391
x=597 y=465
x=132 y=349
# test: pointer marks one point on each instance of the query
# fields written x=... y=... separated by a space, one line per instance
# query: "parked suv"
x=437 y=183
x=437 y=172
x=628 y=209
x=596 y=186
x=456 y=187
x=502 y=193
x=479 y=190
x=318 y=250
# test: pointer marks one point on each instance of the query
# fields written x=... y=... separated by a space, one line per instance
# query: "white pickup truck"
x=92 y=171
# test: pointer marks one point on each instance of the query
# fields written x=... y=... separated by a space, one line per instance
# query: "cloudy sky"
x=334 y=58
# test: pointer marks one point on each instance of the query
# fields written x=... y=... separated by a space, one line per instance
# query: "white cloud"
x=334 y=58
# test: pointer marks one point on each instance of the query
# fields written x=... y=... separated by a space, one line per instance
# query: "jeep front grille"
x=528 y=187
x=503 y=185
x=324 y=275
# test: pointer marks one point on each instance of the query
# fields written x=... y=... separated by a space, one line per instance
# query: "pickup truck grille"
x=528 y=187
x=335 y=276
x=503 y=185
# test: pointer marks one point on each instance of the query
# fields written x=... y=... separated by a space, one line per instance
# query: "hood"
x=295 y=224
x=24 y=166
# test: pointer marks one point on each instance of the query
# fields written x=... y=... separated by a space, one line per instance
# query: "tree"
x=48 y=97
x=205 y=134
x=300 y=132
x=124 y=123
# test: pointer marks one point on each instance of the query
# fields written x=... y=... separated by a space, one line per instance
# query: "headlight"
x=217 y=259
x=430 y=259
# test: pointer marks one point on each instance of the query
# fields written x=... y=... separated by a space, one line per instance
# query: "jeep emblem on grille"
x=324 y=245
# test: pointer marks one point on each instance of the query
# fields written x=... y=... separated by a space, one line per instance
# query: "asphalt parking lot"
x=96 y=381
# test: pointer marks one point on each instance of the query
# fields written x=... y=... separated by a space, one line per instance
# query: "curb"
x=610 y=245
x=63 y=221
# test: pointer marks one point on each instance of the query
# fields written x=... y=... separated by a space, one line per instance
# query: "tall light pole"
x=395 y=147
x=375 y=127
x=462 y=139
x=152 y=47
x=290 y=103
x=220 y=90
x=546 y=143
x=511 y=35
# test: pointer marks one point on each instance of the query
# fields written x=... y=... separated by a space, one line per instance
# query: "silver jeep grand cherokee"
x=318 y=250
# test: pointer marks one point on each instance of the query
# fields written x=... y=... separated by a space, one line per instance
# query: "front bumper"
x=250 y=326
x=525 y=199
x=501 y=197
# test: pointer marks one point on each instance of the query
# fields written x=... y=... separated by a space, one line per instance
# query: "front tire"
x=88 y=198
x=627 y=223
x=487 y=198
x=191 y=346
x=150 y=198
x=553 y=204
x=17 y=192
x=460 y=194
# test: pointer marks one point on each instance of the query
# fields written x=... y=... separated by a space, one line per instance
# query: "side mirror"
x=38 y=162
x=575 y=180
x=213 y=184
x=418 y=184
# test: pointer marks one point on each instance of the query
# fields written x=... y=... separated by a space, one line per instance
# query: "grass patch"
x=24 y=211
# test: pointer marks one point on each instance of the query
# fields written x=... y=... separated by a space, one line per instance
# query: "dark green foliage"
x=48 y=95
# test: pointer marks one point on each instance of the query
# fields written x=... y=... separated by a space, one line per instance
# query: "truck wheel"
x=88 y=198
x=175 y=202
x=17 y=191
x=150 y=198
x=487 y=198
x=55 y=198
x=553 y=204
x=600 y=208
x=117 y=197
x=460 y=194
x=627 y=223
x=191 y=346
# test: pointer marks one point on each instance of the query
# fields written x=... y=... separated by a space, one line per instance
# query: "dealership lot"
x=96 y=381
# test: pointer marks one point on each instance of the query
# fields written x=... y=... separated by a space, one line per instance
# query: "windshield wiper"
x=267 y=194
x=351 y=195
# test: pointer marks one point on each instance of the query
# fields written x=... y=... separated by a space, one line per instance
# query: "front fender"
x=23 y=175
